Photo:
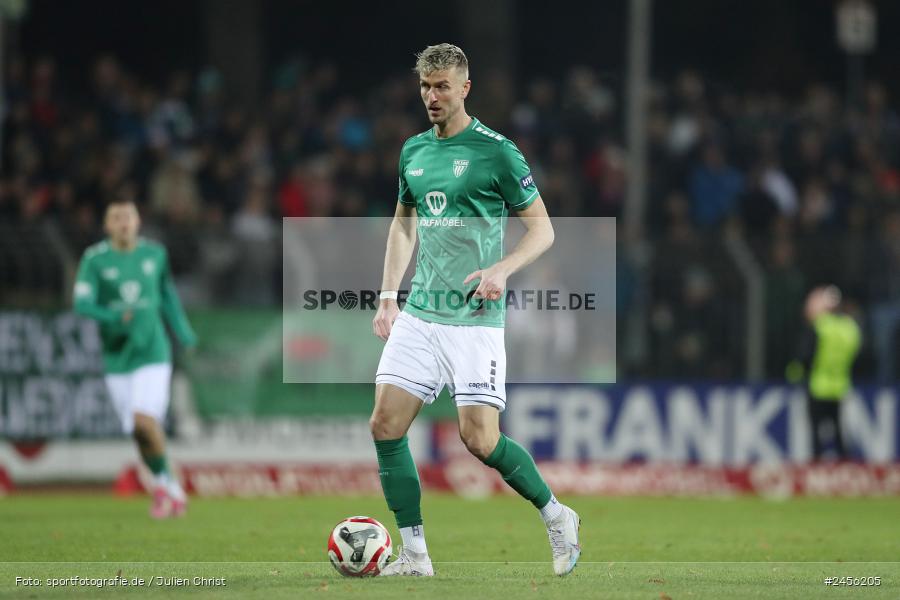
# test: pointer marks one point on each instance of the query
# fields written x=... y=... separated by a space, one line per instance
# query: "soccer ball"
x=359 y=547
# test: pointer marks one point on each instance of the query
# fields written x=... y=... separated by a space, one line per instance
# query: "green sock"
x=519 y=471
x=157 y=464
x=400 y=481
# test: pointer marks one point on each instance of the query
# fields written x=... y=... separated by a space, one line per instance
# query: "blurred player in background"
x=829 y=349
x=124 y=284
x=461 y=179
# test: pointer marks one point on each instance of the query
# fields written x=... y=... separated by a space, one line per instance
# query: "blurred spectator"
x=885 y=296
x=255 y=234
x=605 y=175
x=758 y=207
x=715 y=187
x=700 y=329
x=785 y=288
x=174 y=193
x=292 y=195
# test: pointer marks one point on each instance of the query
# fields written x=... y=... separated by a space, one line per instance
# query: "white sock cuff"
x=414 y=539
x=551 y=510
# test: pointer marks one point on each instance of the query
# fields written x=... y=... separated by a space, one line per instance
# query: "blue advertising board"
x=716 y=425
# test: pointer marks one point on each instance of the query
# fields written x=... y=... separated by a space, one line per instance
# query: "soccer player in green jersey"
x=458 y=182
x=125 y=285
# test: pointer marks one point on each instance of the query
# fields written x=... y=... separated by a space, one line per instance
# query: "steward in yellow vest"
x=832 y=345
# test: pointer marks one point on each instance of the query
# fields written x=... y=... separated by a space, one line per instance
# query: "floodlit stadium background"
x=746 y=155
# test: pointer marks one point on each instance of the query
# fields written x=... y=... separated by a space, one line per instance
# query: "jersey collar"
x=468 y=128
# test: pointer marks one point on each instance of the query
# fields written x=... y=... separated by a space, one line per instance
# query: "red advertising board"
x=470 y=478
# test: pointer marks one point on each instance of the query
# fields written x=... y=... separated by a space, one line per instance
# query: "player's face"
x=122 y=223
x=443 y=93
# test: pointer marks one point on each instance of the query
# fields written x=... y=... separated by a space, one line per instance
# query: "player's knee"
x=141 y=433
x=383 y=427
x=479 y=443
x=375 y=426
x=145 y=427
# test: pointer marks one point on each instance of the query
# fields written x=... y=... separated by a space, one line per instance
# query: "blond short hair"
x=441 y=57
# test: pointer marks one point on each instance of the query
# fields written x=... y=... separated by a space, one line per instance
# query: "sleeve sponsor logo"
x=527 y=181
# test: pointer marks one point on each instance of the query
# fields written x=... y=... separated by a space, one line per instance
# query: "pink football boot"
x=161 y=508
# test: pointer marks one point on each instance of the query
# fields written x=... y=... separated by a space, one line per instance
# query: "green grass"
x=633 y=548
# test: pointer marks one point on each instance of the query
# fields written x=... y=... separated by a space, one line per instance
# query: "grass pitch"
x=632 y=548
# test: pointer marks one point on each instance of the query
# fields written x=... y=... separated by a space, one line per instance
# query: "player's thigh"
x=394 y=411
x=119 y=387
x=475 y=359
x=151 y=390
x=408 y=361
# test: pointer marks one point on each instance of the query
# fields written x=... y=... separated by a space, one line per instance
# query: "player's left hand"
x=492 y=284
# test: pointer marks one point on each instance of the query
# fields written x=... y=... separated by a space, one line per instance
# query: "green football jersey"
x=462 y=188
x=110 y=283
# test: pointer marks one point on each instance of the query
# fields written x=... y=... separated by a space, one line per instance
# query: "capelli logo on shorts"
x=480 y=386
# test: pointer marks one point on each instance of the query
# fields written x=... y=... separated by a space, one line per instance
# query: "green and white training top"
x=462 y=188
x=111 y=282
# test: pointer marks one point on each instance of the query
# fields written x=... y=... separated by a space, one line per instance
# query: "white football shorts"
x=421 y=357
x=145 y=390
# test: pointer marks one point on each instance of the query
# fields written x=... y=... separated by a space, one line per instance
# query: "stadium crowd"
x=811 y=183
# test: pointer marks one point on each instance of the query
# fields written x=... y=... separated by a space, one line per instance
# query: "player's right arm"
x=400 y=245
x=85 y=296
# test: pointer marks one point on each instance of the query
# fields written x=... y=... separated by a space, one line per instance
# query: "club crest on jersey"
x=130 y=291
x=436 y=201
x=148 y=266
x=460 y=166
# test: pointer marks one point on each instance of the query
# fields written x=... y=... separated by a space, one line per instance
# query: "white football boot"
x=409 y=563
x=563 y=533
